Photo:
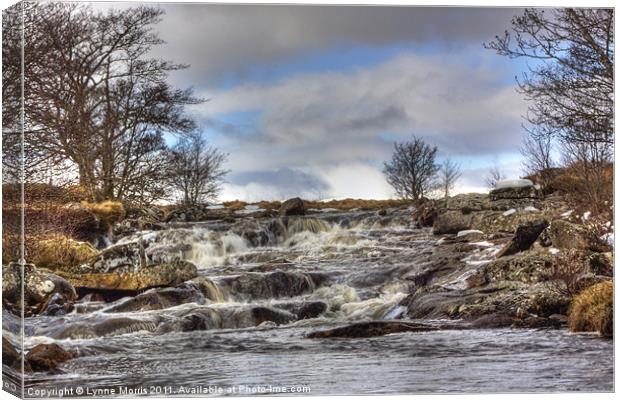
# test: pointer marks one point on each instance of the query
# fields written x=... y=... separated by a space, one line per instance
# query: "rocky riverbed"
x=443 y=296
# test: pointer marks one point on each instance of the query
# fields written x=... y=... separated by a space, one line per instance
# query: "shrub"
x=47 y=251
x=567 y=269
x=107 y=211
x=592 y=310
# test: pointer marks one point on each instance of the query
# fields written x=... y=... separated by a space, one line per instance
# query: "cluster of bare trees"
x=570 y=91
x=95 y=101
x=414 y=173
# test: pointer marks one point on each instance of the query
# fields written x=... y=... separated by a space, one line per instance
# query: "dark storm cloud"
x=221 y=41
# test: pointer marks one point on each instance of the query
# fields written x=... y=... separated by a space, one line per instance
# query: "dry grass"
x=107 y=211
x=592 y=310
x=49 y=251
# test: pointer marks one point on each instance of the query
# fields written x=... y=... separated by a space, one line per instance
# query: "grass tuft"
x=592 y=310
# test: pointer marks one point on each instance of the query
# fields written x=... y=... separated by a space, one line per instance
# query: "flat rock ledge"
x=377 y=328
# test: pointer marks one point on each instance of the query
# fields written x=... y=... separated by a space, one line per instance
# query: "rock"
x=39 y=288
x=524 y=237
x=470 y=235
x=515 y=189
x=279 y=317
x=253 y=286
x=492 y=321
x=47 y=357
x=451 y=222
x=294 y=206
x=11 y=357
x=129 y=267
x=602 y=263
x=139 y=278
x=158 y=299
x=530 y=267
x=370 y=329
x=311 y=310
x=560 y=318
x=566 y=235
x=468 y=202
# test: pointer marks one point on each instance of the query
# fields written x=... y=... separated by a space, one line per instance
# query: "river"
x=356 y=264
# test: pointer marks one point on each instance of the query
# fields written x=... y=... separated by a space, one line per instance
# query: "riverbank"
x=475 y=262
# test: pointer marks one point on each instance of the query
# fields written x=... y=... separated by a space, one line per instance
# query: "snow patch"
x=567 y=214
x=531 y=209
x=467 y=232
x=553 y=250
x=608 y=238
x=513 y=183
x=509 y=212
x=215 y=207
x=483 y=244
x=586 y=215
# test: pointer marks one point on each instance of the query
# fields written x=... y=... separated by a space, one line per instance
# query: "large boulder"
x=129 y=267
x=251 y=285
x=294 y=206
x=451 y=222
x=47 y=357
x=566 y=235
x=139 y=278
x=468 y=202
x=11 y=357
x=515 y=189
x=44 y=293
x=524 y=237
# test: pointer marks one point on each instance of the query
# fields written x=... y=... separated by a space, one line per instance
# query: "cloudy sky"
x=308 y=100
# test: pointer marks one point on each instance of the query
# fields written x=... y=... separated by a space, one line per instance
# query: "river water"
x=356 y=264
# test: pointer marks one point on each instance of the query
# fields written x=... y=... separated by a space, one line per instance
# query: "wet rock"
x=566 y=235
x=208 y=288
x=11 y=357
x=524 y=237
x=311 y=309
x=451 y=222
x=158 y=299
x=560 y=318
x=143 y=277
x=252 y=286
x=279 y=317
x=47 y=357
x=491 y=321
x=39 y=289
x=515 y=189
x=370 y=329
x=294 y=206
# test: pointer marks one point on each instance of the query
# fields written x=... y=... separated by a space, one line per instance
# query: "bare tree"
x=195 y=169
x=571 y=84
x=449 y=173
x=537 y=157
x=591 y=163
x=97 y=98
x=412 y=170
x=494 y=176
